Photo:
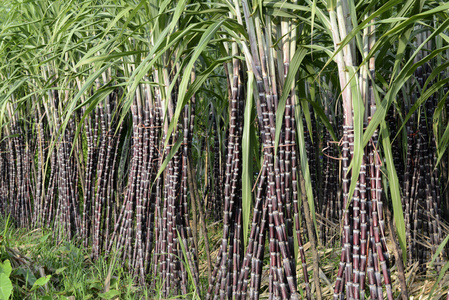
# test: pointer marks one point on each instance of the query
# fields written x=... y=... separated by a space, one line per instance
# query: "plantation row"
x=132 y=127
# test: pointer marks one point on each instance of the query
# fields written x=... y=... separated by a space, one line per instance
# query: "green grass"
x=74 y=275
x=34 y=254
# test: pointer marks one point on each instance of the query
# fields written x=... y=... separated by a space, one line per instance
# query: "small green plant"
x=40 y=282
x=5 y=282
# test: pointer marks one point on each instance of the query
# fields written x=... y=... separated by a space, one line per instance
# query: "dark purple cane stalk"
x=257 y=231
x=329 y=210
x=101 y=183
x=257 y=248
x=375 y=284
x=273 y=284
x=123 y=227
x=406 y=190
x=283 y=278
x=363 y=228
x=74 y=177
x=3 y=178
x=238 y=236
x=214 y=204
x=378 y=231
x=282 y=283
x=41 y=155
x=164 y=229
x=50 y=196
x=356 y=238
x=230 y=185
x=142 y=177
x=345 y=244
x=285 y=155
x=158 y=226
x=171 y=223
x=259 y=253
x=88 y=187
x=432 y=194
x=413 y=199
x=347 y=220
x=377 y=241
x=370 y=273
x=114 y=144
x=12 y=171
x=295 y=199
x=12 y=175
x=155 y=194
x=99 y=200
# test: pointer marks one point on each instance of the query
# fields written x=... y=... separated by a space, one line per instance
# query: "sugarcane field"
x=224 y=149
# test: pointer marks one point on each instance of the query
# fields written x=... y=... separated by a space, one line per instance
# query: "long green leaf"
x=182 y=99
x=394 y=190
x=170 y=155
x=304 y=163
x=359 y=112
x=247 y=159
x=440 y=276
x=294 y=67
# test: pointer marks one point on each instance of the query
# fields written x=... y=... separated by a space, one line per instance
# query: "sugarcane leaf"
x=87 y=85
x=86 y=58
x=9 y=136
x=187 y=266
x=319 y=111
x=394 y=186
x=366 y=22
x=400 y=80
x=134 y=11
x=323 y=17
x=92 y=101
x=359 y=112
x=307 y=117
x=247 y=159
x=397 y=83
x=439 y=249
x=286 y=5
x=423 y=98
x=120 y=15
x=275 y=12
x=200 y=79
x=313 y=13
x=438 y=69
x=304 y=163
x=10 y=90
x=442 y=143
x=111 y=56
x=402 y=46
x=417 y=17
x=327 y=50
x=294 y=67
x=170 y=155
x=393 y=181
x=440 y=276
x=182 y=99
x=153 y=56
x=437 y=118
